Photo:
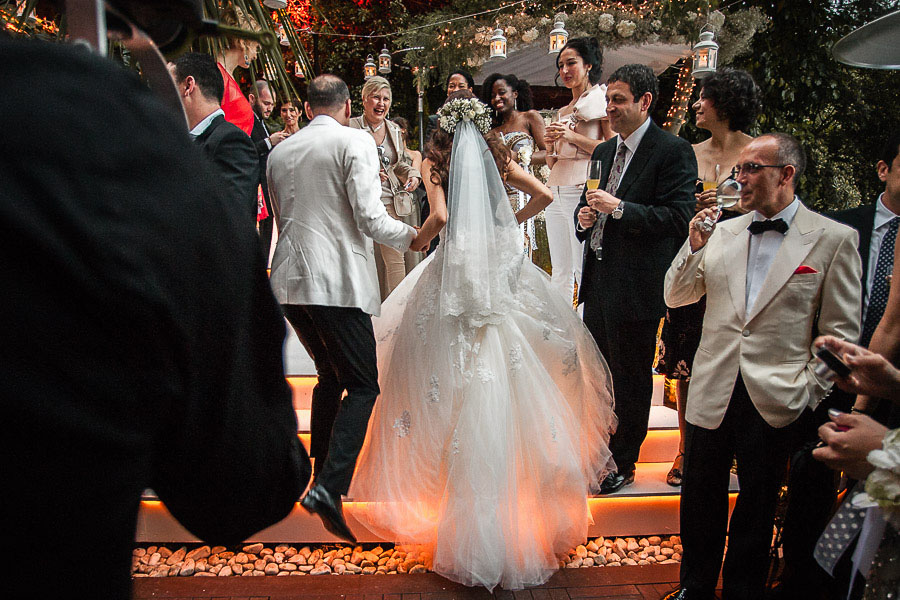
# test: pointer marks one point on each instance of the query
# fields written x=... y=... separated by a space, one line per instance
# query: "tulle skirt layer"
x=486 y=438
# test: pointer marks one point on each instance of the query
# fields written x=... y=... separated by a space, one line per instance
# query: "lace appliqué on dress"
x=570 y=360
x=515 y=358
x=434 y=391
x=402 y=424
x=484 y=373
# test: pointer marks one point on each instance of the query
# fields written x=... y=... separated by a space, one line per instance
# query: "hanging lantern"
x=298 y=71
x=276 y=4
x=498 y=45
x=282 y=35
x=369 y=67
x=558 y=38
x=384 y=62
x=706 y=55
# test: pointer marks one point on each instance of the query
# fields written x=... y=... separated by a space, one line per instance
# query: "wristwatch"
x=619 y=210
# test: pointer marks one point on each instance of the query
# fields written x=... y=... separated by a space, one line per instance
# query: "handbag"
x=403 y=200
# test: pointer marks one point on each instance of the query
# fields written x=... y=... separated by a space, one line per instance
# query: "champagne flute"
x=554 y=116
x=595 y=167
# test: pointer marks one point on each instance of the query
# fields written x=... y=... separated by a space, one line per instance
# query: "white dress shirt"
x=632 y=142
x=883 y=216
x=763 y=248
x=202 y=125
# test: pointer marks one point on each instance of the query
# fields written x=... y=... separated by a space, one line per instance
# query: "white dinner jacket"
x=326 y=195
x=812 y=288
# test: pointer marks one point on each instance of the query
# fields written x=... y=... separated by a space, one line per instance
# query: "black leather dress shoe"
x=319 y=501
x=616 y=481
x=684 y=594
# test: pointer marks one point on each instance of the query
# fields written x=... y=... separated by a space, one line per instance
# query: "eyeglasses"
x=753 y=168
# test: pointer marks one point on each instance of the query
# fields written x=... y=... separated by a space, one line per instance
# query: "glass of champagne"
x=595 y=167
x=554 y=118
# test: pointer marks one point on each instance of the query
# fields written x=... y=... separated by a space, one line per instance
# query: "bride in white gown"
x=496 y=406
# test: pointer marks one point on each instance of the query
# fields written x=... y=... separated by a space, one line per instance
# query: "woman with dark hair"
x=290 y=114
x=495 y=399
x=581 y=127
x=522 y=130
x=458 y=79
x=728 y=104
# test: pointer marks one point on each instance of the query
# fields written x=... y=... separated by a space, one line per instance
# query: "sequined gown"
x=521 y=144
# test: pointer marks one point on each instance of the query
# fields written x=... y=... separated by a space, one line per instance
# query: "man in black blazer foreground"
x=633 y=225
x=200 y=88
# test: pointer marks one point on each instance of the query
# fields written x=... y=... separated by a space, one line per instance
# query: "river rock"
x=418 y=569
x=270 y=568
x=197 y=553
x=176 y=556
x=225 y=571
x=281 y=548
x=678 y=548
x=138 y=552
x=259 y=564
x=297 y=559
x=580 y=551
x=666 y=551
x=217 y=549
x=252 y=548
x=592 y=547
x=632 y=545
x=629 y=561
x=289 y=552
x=322 y=570
x=237 y=569
x=187 y=568
x=241 y=558
x=575 y=563
x=154 y=559
x=588 y=562
x=654 y=540
x=287 y=566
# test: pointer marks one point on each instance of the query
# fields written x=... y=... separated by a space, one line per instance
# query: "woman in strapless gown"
x=496 y=406
x=522 y=130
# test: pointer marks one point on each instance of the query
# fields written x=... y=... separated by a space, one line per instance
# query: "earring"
x=515 y=104
x=246 y=58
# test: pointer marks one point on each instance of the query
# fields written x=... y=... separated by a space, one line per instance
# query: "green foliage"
x=841 y=114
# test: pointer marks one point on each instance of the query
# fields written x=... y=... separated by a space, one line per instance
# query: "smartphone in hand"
x=831 y=364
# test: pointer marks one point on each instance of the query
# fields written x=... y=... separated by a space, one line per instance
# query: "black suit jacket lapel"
x=639 y=160
x=201 y=139
x=864 y=227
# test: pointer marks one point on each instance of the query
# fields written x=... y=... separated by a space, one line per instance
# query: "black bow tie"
x=769 y=225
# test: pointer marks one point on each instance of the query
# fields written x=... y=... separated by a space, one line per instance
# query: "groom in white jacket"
x=326 y=194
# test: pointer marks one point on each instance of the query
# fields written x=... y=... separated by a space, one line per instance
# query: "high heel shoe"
x=675 y=474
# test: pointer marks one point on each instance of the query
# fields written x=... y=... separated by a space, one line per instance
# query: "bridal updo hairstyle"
x=735 y=97
x=438 y=149
x=588 y=49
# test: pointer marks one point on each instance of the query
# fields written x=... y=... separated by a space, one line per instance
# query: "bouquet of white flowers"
x=464 y=109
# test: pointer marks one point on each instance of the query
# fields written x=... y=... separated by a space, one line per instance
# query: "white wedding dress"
x=496 y=406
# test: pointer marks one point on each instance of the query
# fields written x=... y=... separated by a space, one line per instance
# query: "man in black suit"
x=263 y=102
x=200 y=88
x=812 y=486
x=140 y=333
x=633 y=223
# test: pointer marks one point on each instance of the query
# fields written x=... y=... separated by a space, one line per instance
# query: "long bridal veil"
x=496 y=406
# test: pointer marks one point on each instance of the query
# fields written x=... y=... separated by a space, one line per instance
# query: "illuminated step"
x=302 y=385
x=647 y=507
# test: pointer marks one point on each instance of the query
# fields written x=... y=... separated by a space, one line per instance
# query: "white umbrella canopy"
x=537 y=67
x=875 y=44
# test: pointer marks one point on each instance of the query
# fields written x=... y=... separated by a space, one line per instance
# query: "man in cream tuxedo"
x=326 y=194
x=774 y=279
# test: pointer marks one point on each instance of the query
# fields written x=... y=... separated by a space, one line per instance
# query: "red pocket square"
x=804 y=269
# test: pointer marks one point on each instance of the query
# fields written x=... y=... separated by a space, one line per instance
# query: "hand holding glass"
x=595 y=167
x=728 y=194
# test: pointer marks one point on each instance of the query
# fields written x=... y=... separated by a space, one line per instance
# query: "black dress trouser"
x=629 y=348
x=341 y=342
x=761 y=452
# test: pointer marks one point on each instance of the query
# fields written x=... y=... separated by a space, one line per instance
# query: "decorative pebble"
x=258 y=560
